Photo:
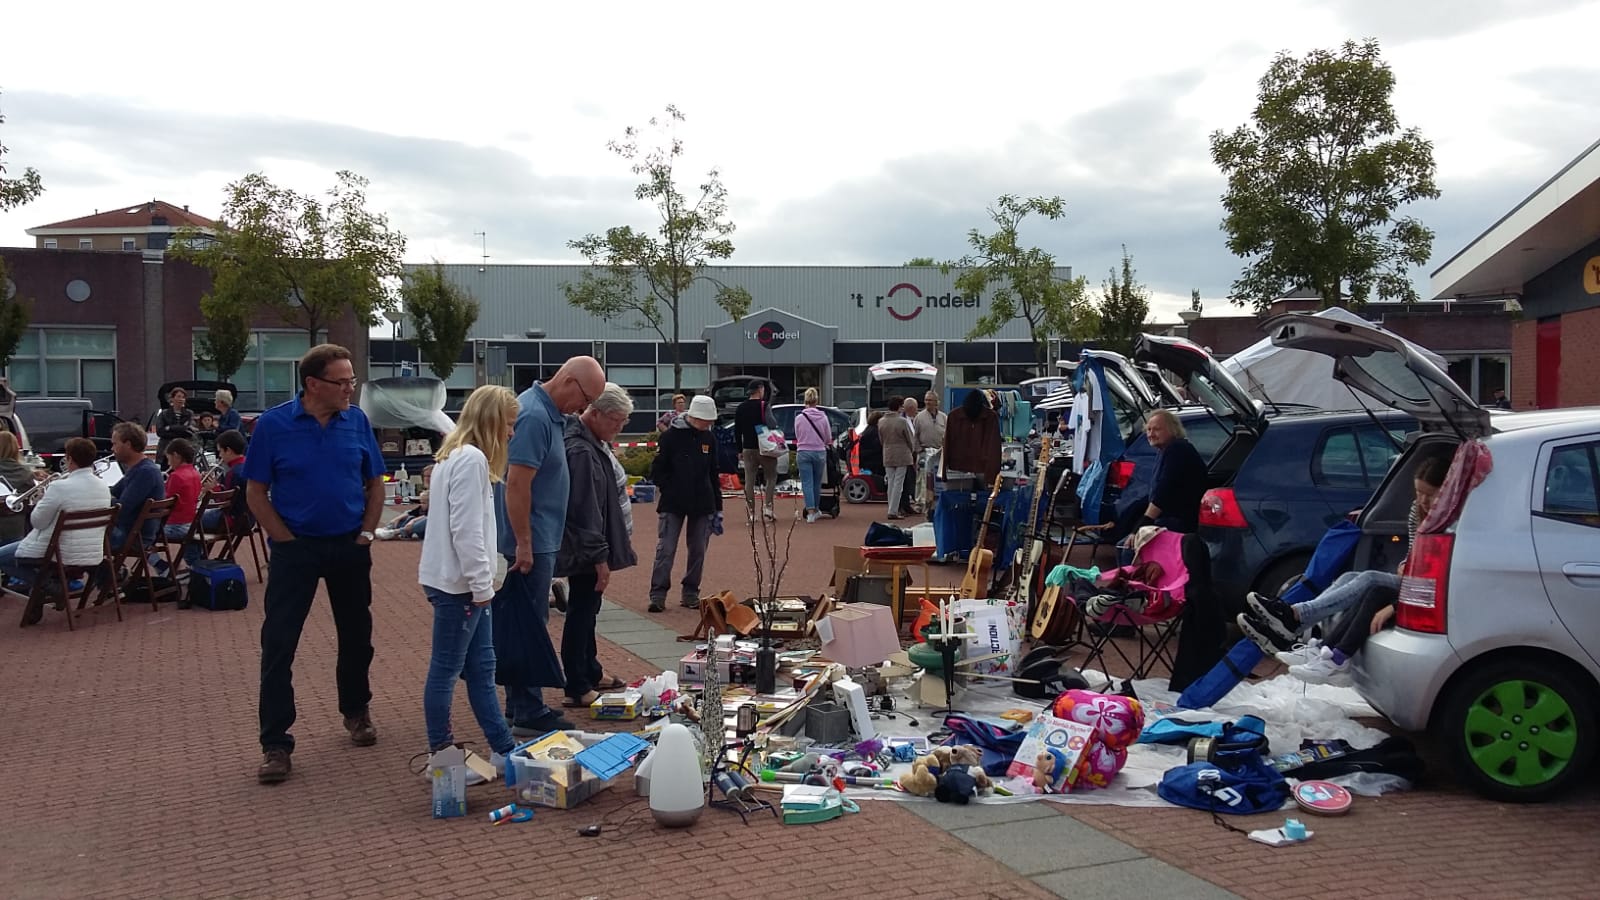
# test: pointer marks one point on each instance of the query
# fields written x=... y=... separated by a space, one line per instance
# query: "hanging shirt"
x=1087 y=407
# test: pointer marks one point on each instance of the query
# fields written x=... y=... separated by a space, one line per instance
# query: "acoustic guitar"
x=1054 y=620
x=981 y=560
x=1021 y=574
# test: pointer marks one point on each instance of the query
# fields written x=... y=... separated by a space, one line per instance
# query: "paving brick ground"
x=132 y=753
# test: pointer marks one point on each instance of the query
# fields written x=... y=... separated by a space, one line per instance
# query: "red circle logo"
x=916 y=309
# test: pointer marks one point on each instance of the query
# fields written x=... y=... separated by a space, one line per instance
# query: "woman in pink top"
x=812 y=434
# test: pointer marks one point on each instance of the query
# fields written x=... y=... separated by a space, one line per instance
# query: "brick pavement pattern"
x=133 y=755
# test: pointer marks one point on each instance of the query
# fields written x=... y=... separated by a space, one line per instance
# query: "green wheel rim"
x=1521 y=733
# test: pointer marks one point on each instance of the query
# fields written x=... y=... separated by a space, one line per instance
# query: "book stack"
x=806 y=804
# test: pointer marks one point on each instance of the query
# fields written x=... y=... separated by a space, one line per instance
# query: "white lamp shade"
x=677 y=794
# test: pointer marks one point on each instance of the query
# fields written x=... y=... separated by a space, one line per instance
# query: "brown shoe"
x=362 y=734
x=275 y=766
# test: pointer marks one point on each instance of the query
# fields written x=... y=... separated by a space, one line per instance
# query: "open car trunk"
x=1214 y=388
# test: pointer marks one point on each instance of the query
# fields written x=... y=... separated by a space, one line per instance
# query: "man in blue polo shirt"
x=532 y=515
x=315 y=483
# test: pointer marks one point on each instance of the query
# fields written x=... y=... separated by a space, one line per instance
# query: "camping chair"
x=54 y=572
x=219 y=500
x=1151 y=609
x=136 y=550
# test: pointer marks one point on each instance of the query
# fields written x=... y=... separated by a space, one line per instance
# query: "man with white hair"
x=689 y=500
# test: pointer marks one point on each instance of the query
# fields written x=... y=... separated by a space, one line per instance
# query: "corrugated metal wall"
x=866 y=303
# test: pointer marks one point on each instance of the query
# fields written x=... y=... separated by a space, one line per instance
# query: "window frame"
x=41 y=358
x=1588 y=443
x=1319 y=476
x=129 y=244
x=51 y=244
x=85 y=243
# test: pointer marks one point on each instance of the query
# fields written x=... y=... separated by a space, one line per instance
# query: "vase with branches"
x=769 y=579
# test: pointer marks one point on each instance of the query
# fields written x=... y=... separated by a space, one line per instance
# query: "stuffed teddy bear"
x=928 y=774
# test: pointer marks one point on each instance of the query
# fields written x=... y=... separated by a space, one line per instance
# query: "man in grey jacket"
x=899 y=451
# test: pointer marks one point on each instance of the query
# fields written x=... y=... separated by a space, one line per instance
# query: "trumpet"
x=19 y=501
x=213 y=476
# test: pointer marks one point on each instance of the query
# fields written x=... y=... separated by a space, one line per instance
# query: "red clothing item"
x=183 y=483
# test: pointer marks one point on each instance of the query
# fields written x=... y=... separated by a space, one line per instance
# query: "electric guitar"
x=1022 y=575
x=981 y=559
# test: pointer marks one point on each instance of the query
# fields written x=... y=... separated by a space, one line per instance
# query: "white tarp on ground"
x=406 y=403
x=1294 y=711
x=1300 y=376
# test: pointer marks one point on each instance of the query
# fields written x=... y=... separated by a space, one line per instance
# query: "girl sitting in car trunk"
x=1368 y=597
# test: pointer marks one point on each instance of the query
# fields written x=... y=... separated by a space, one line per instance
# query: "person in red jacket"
x=183 y=482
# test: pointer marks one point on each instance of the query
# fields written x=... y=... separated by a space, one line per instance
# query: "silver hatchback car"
x=1496 y=648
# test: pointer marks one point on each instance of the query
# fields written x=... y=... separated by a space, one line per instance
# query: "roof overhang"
x=1554 y=222
x=130 y=229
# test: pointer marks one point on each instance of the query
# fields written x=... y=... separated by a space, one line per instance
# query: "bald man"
x=532 y=514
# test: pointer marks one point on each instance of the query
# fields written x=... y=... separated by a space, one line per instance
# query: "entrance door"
x=1547 y=357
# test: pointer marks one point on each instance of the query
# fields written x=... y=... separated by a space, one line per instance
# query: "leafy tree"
x=302 y=259
x=16 y=191
x=226 y=342
x=15 y=313
x=669 y=261
x=442 y=315
x=1019 y=282
x=1315 y=183
x=1124 y=305
x=920 y=261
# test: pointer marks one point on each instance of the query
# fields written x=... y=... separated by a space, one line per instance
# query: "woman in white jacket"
x=458 y=569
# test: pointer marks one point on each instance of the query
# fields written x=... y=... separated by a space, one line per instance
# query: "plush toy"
x=1117 y=721
x=920 y=780
x=957 y=784
x=1044 y=767
x=928 y=774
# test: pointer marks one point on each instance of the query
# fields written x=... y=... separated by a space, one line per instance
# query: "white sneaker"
x=1302 y=654
x=385 y=534
x=768 y=514
x=811 y=518
x=1323 y=670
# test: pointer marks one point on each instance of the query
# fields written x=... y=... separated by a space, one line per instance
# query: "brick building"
x=114 y=326
x=1545 y=254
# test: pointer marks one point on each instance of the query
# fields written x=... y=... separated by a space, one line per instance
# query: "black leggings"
x=1351 y=632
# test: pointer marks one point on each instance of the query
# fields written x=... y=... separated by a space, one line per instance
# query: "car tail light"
x=1425 y=584
x=1121 y=473
x=1219 y=509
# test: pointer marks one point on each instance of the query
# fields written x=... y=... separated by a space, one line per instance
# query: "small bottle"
x=504 y=812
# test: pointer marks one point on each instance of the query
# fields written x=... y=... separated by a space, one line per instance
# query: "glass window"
x=277 y=383
x=1012 y=374
x=100 y=382
x=1337 y=463
x=283 y=345
x=1569 y=484
x=61 y=377
x=850 y=376
x=25 y=377
x=80 y=343
x=695 y=377
x=85 y=243
x=849 y=397
x=50 y=243
x=635 y=376
x=128 y=244
x=29 y=345
x=1378 y=451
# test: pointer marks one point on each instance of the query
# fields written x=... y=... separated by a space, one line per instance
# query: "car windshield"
x=1388 y=368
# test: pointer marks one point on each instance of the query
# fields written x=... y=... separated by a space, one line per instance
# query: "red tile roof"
x=134 y=217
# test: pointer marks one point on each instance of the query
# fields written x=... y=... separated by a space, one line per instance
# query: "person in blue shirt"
x=228 y=418
x=141 y=481
x=315 y=484
x=531 y=512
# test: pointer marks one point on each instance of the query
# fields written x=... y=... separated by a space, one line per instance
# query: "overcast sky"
x=847 y=133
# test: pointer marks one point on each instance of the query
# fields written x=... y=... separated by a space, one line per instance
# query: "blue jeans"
x=811 y=465
x=190 y=549
x=463 y=647
x=22 y=570
x=1345 y=592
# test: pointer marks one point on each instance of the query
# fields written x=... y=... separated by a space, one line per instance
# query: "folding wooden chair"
x=53 y=565
x=258 y=549
x=136 y=551
x=212 y=500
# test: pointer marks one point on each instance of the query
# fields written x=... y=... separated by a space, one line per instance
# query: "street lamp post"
x=394 y=316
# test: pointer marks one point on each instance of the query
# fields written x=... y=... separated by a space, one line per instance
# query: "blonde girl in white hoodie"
x=458 y=569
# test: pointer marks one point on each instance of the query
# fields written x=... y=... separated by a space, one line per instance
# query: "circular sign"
x=1591 y=276
x=1322 y=797
x=77 y=290
x=770 y=335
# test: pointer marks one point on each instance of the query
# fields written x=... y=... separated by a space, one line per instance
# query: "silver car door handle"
x=1582 y=574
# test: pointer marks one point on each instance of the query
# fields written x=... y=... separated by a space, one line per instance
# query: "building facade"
x=809 y=326
x=114 y=327
x=1545 y=256
x=143 y=226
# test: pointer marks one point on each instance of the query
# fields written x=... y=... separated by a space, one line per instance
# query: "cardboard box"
x=858 y=634
x=847 y=561
x=620 y=705
x=545 y=770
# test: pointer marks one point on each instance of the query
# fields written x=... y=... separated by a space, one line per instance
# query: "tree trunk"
x=677 y=354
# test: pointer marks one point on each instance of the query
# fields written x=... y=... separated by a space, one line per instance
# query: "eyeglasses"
x=341 y=382
x=588 y=400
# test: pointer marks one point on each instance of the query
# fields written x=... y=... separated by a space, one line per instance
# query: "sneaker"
x=1275 y=614
x=658 y=604
x=1261 y=635
x=811 y=517
x=362 y=734
x=689 y=601
x=1323 y=670
x=385 y=534
x=768 y=514
x=1302 y=653
x=275 y=766
x=558 y=595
